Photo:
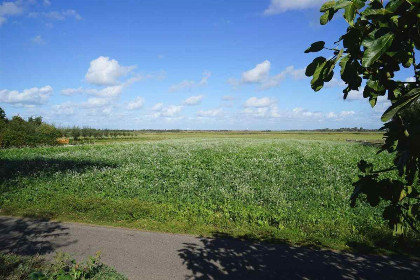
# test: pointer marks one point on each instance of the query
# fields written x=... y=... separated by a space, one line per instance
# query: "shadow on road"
x=226 y=258
x=31 y=237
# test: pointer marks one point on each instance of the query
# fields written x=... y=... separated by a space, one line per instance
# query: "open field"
x=372 y=137
x=258 y=186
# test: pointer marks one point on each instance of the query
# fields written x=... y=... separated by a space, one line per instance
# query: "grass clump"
x=16 y=267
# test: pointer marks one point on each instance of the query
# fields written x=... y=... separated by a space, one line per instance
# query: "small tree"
x=380 y=39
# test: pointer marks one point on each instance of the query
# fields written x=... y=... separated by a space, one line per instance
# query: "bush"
x=64 y=267
x=19 y=133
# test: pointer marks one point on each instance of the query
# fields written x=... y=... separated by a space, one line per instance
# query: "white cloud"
x=28 y=97
x=135 y=104
x=275 y=80
x=47 y=2
x=280 y=6
x=157 y=106
x=410 y=79
x=171 y=110
x=258 y=73
x=168 y=112
x=259 y=102
x=66 y=108
x=347 y=113
x=193 y=100
x=97 y=102
x=104 y=71
x=210 y=113
x=71 y=91
x=38 y=40
x=191 y=84
x=57 y=15
x=8 y=9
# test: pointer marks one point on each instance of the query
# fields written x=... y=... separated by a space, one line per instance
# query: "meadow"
x=280 y=187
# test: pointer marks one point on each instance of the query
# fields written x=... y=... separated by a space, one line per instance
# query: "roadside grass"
x=278 y=190
x=16 y=267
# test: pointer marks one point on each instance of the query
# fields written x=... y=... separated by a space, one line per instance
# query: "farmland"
x=292 y=187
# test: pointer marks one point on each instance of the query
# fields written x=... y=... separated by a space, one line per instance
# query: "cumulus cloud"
x=135 y=104
x=210 y=113
x=104 y=71
x=410 y=79
x=260 y=74
x=280 y=6
x=193 y=100
x=259 y=102
x=257 y=74
x=187 y=85
x=28 y=97
x=8 y=9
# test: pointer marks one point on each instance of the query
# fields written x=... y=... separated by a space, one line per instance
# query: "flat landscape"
x=279 y=187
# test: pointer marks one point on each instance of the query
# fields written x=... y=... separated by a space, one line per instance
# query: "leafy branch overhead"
x=380 y=40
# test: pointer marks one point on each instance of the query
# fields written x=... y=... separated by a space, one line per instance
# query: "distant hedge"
x=17 y=132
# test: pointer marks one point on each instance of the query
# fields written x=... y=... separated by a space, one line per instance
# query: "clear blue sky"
x=197 y=64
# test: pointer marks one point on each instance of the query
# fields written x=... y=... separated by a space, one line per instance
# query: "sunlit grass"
x=268 y=189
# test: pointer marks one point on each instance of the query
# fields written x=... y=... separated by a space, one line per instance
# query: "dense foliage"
x=17 y=132
x=282 y=189
x=381 y=39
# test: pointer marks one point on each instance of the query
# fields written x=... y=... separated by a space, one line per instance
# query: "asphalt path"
x=151 y=255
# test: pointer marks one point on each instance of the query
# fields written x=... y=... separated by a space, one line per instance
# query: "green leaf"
x=351 y=9
x=375 y=48
x=343 y=63
x=341 y=4
x=317 y=81
x=374 y=12
x=315 y=47
x=401 y=102
x=310 y=70
x=349 y=14
x=324 y=18
x=327 y=5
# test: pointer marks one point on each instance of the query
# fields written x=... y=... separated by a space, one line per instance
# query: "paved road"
x=149 y=255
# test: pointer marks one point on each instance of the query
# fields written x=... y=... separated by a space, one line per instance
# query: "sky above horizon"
x=196 y=64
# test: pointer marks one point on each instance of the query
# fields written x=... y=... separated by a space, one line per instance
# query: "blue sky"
x=196 y=64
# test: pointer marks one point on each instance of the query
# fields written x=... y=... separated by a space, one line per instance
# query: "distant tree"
x=379 y=40
x=2 y=115
x=75 y=132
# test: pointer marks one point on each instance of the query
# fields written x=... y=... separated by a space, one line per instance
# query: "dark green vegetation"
x=381 y=38
x=20 y=133
x=256 y=186
x=15 y=267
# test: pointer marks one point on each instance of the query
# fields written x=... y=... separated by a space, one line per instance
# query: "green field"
x=273 y=186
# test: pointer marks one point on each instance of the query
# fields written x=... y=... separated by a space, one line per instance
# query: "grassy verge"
x=15 y=267
x=267 y=189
